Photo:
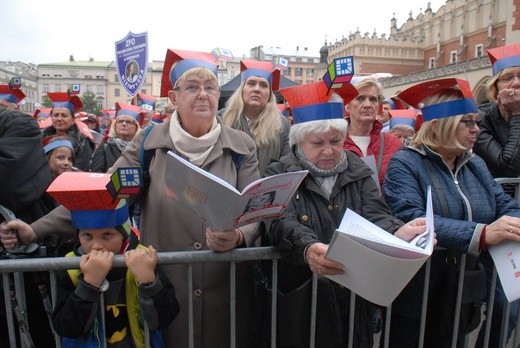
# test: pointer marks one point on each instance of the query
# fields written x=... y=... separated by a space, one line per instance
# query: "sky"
x=50 y=31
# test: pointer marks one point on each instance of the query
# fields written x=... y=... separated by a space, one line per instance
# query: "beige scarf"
x=195 y=149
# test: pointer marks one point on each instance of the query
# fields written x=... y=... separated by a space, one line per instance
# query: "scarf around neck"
x=195 y=149
x=326 y=178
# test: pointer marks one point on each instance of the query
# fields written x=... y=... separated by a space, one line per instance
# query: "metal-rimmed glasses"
x=506 y=78
x=471 y=123
x=196 y=89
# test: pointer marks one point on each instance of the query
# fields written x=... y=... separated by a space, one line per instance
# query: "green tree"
x=46 y=102
x=90 y=103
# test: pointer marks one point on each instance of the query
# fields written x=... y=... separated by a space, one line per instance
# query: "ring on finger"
x=319 y=269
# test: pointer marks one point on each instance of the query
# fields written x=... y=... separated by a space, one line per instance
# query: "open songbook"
x=220 y=205
x=377 y=264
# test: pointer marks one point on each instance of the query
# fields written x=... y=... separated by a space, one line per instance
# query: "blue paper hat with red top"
x=402 y=116
x=145 y=101
x=395 y=103
x=416 y=94
x=93 y=199
x=129 y=110
x=65 y=100
x=504 y=57
x=265 y=69
x=184 y=61
x=310 y=102
x=11 y=93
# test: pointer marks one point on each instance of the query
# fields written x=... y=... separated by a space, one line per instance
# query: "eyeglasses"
x=508 y=78
x=125 y=121
x=196 y=89
x=471 y=123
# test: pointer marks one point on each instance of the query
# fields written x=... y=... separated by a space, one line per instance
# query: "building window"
x=453 y=57
x=45 y=87
x=310 y=72
x=432 y=63
x=116 y=78
x=117 y=92
x=298 y=71
x=99 y=104
x=57 y=88
x=143 y=91
x=479 y=49
x=288 y=71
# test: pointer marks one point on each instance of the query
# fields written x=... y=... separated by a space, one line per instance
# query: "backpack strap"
x=146 y=156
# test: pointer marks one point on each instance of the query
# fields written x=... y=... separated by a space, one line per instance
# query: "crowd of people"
x=363 y=152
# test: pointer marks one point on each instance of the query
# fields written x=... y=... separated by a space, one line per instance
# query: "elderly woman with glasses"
x=471 y=212
x=196 y=133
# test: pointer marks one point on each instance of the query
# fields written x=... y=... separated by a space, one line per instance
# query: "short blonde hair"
x=371 y=82
x=441 y=132
x=196 y=72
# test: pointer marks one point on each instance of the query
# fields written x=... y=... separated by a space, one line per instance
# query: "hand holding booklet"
x=219 y=204
x=377 y=264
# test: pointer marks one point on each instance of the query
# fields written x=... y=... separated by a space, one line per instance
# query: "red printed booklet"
x=220 y=205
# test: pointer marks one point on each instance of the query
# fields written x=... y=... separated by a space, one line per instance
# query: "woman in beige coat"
x=195 y=133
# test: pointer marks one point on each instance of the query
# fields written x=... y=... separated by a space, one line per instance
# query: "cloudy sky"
x=50 y=31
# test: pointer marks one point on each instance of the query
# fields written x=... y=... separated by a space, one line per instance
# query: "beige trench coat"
x=170 y=227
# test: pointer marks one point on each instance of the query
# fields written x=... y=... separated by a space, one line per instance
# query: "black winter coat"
x=311 y=218
x=498 y=142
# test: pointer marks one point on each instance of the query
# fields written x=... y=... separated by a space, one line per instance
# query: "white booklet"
x=506 y=256
x=377 y=264
x=219 y=204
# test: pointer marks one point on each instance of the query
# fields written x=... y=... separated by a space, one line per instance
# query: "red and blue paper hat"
x=129 y=110
x=504 y=57
x=65 y=100
x=402 y=116
x=309 y=102
x=265 y=69
x=88 y=197
x=108 y=112
x=416 y=94
x=11 y=94
x=145 y=101
x=42 y=112
x=185 y=60
x=395 y=103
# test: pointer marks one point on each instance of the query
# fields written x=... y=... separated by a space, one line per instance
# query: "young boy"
x=132 y=296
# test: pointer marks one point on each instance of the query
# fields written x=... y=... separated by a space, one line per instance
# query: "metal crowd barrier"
x=10 y=267
x=16 y=267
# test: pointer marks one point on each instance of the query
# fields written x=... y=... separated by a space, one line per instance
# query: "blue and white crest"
x=132 y=61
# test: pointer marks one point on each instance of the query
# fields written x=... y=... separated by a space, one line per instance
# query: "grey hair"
x=300 y=130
